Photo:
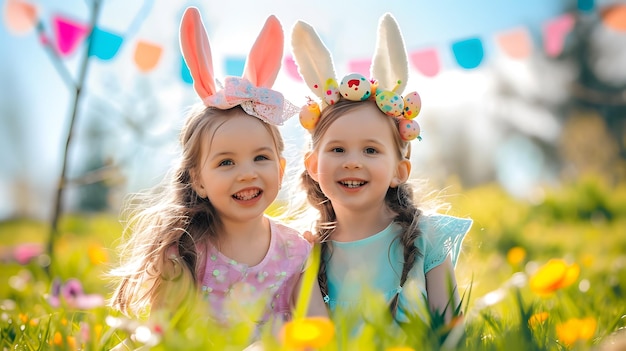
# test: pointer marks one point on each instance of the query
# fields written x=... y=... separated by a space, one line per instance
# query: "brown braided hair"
x=399 y=200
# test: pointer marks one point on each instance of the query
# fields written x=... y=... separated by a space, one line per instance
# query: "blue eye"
x=261 y=158
x=226 y=163
x=371 y=150
x=337 y=149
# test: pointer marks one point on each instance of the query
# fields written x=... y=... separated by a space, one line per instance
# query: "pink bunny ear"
x=194 y=44
x=264 y=59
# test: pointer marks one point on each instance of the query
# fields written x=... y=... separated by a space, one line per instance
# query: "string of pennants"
x=21 y=17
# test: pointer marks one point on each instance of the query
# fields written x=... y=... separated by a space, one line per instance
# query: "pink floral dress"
x=237 y=291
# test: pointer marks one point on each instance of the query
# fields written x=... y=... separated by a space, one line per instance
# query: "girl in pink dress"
x=204 y=230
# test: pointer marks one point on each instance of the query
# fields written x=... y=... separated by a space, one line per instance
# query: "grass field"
x=544 y=276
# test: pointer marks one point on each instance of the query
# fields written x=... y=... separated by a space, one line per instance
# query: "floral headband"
x=253 y=90
x=389 y=68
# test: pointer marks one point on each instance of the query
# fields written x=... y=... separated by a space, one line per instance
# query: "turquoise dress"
x=375 y=264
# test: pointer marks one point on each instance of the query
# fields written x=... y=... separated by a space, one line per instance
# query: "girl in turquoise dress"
x=373 y=235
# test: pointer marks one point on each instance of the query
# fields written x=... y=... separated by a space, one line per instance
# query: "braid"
x=400 y=200
x=324 y=226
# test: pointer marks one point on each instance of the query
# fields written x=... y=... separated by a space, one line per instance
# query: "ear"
x=195 y=185
x=403 y=169
x=265 y=57
x=310 y=163
x=283 y=164
x=194 y=44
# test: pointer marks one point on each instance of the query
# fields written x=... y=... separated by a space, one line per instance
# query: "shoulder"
x=430 y=223
x=442 y=235
x=288 y=236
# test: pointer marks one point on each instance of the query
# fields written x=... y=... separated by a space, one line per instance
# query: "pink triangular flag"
x=20 y=16
x=360 y=66
x=515 y=43
x=555 y=32
x=426 y=61
x=290 y=67
x=69 y=34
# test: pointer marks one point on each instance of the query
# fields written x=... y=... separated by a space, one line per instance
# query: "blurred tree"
x=597 y=51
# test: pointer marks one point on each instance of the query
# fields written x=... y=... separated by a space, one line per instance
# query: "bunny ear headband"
x=253 y=90
x=389 y=71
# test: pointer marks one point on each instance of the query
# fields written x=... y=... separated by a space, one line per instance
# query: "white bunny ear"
x=314 y=61
x=390 y=63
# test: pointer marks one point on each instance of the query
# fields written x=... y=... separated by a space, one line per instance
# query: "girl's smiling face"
x=356 y=159
x=240 y=169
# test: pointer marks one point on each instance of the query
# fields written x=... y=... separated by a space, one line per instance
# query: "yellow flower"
x=554 y=275
x=57 y=339
x=537 y=318
x=97 y=254
x=400 y=348
x=516 y=255
x=71 y=342
x=310 y=332
x=587 y=260
x=576 y=329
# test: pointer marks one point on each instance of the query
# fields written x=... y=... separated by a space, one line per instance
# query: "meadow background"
x=528 y=139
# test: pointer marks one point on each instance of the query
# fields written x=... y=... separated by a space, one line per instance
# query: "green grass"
x=583 y=223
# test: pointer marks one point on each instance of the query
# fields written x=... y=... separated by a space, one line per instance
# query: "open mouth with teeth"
x=352 y=183
x=248 y=194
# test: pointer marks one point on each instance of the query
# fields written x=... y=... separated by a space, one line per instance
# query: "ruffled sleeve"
x=442 y=236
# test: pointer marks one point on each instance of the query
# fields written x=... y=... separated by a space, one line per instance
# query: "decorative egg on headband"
x=355 y=87
x=310 y=115
x=412 y=105
x=409 y=129
x=390 y=103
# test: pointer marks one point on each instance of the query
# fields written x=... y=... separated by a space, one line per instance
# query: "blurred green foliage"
x=582 y=222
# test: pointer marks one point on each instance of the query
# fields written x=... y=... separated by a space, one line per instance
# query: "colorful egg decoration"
x=355 y=87
x=309 y=115
x=409 y=129
x=412 y=105
x=390 y=103
x=331 y=91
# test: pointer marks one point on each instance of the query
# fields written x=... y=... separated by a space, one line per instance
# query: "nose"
x=352 y=163
x=247 y=172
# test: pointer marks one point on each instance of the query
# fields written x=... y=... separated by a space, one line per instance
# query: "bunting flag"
x=147 y=55
x=184 y=71
x=614 y=17
x=21 y=17
x=234 y=65
x=289 y=65
x=515 y=43
x=360 y=66
x=469 y=53
x=555 y=32
x=104 y=44
x=426 y=61
x=68 y=33
x=585 y=5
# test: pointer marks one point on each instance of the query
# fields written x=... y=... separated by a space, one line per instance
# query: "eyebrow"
x=367 y=141
x=230 y=153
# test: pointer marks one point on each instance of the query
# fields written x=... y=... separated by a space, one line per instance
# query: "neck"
x=245 y=242
x=357 y=225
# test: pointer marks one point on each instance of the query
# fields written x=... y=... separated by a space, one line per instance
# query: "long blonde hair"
x=164 y=226
x=399 y=200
